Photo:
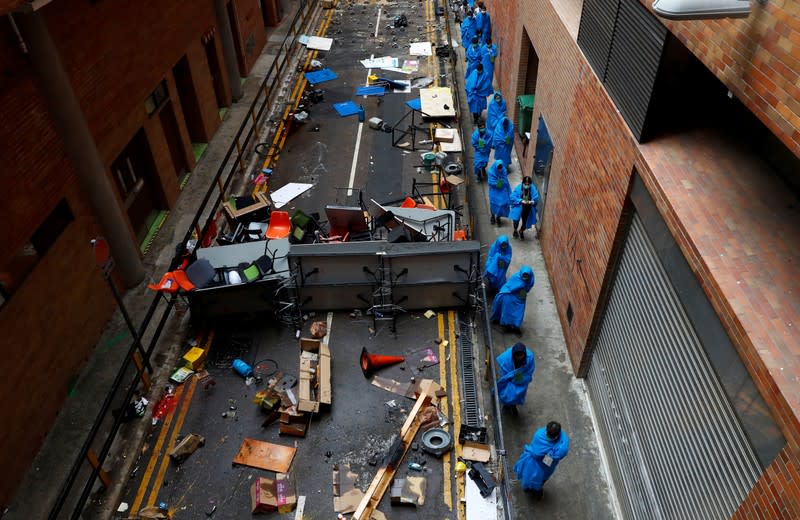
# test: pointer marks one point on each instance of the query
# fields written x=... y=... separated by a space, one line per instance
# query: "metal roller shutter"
x=675 y=447
x=633 y=62
x=595 y=32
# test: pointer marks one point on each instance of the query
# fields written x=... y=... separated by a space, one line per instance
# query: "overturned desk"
x=433 y=103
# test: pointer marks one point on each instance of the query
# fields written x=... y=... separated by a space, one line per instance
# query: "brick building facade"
x=150 y=80
x=727 y=193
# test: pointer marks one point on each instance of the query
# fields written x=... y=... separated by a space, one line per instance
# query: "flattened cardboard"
x=475 y=451
x=346 y=496
x=265 y=455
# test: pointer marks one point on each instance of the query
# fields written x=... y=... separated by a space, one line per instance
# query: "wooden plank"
x=383 y=478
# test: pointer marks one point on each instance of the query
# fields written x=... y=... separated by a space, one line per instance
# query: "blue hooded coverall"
x=482 y=144
x=516 y=206
x=497 y=263
x=499 y=190
x=531 y=468
x=508 y=307
x=503 y=140
x=496 y=110
x=512 y=385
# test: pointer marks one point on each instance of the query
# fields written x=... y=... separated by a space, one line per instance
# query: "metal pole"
x=128 y=321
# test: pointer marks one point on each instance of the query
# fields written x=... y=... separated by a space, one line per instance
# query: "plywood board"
x=265 y=455
x=437 y=102
x=479 y=508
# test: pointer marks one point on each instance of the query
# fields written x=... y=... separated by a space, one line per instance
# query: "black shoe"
x=522 y=235
x=493 y=220
x=499 y=221
x=516 y=235
x=538 y=493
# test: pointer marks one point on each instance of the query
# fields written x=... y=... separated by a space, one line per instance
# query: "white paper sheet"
x=319 y=43
x=287 y=193
x=379 y=63
x=421 y=49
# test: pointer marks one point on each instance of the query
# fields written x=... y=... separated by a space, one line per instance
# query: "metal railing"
x=234 y=162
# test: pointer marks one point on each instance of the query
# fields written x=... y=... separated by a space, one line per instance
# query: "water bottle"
x=242 y=368
x=361 y=114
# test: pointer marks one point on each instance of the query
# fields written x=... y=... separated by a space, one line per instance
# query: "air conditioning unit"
x=701 y=9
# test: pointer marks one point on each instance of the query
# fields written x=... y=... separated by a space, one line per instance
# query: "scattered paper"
x=429 y=314
x=379 y=63
x=395 y=69
x=421 y=49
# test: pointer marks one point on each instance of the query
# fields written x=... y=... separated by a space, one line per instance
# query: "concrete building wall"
x=594 y=157
x=115 y=54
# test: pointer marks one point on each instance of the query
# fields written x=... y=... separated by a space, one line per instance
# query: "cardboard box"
x=268 y=495
x=315 y=375
x=195 y=358
x=444 y=135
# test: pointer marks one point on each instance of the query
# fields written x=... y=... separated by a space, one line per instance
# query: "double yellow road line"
x=448 y=356
x=159 y=458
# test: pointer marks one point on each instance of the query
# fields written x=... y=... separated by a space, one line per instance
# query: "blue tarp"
x=320 y=76
x=370 y=91
x=414 y=104
x=347 y=108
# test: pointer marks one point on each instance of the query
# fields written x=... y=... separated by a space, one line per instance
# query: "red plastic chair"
x=280 y=225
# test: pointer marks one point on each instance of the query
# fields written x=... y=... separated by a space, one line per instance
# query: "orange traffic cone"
x=372 y=362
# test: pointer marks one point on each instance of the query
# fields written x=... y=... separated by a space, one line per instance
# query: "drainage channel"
x=469 y=406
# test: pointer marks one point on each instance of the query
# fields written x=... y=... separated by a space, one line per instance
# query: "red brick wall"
x=52 y=322
x=594 y=157
x=115 y=66
x=251 y=29
x=757 y=58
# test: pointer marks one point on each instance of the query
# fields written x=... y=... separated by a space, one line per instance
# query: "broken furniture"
x=280 y=225
x=404 y=129
x=236 y=212
x=315 y=375
x=221 y=298
x=348 y=220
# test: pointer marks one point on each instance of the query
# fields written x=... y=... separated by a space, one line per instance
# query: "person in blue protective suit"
x=476 y=87
x=488 y=57
x=523 y=207
x=540 y=458
x=503 y=140
x=474 y=56
x=499 y=192
x=516 y=367
x=496 y=111
x=508 y=308
x=497 y=263
x=468 y=28
x=486 y=22
x=482 y=144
